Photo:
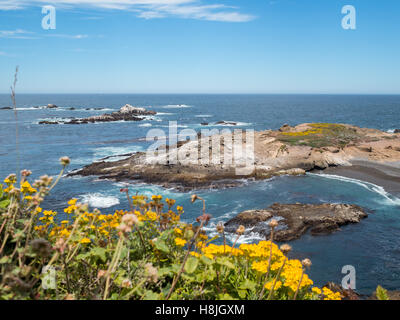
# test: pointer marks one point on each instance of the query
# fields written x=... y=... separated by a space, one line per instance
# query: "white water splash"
x=176 y=106
x=98 y=200
x=389 y=198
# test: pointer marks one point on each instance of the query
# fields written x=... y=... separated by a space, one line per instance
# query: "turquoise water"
x=371 y=246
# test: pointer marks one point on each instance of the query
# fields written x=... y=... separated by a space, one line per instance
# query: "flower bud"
x=130 y=219
x=306 y=263
x=240 y=230
x=273 y=223
x=126 y=283
x=151 y=272
x=65 y=161
x=26 y=173
x=285 y=248
x=220 y=227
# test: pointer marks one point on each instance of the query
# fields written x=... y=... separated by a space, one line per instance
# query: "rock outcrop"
x=220 y=123
x=296 y=219
x=126 y=113
x=290 y=150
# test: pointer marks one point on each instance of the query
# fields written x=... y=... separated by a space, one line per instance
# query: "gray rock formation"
x=296 y=219
x=126 y=113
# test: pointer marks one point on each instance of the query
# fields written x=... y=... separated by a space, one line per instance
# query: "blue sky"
x=201 y=46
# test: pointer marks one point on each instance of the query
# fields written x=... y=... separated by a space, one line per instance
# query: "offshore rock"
x=296 y=219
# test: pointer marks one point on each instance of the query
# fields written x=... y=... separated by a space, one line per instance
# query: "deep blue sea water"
x=372 y=246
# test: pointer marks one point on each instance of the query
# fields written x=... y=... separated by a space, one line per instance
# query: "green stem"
x=276 y=280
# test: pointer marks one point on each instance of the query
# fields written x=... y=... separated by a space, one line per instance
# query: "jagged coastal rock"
x=126 y=113
x=290 y=150
x=296 y=219
x=221 y=123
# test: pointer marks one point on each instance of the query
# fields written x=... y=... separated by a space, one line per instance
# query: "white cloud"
x=16 y=34
x=22 y=34
x=148 y=9
x=68 y=36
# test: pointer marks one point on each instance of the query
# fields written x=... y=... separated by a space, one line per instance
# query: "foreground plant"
x=145 y=252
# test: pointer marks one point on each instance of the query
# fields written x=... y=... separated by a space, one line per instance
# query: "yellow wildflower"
x=85 y=240
x=180 y=242
x=178 y=231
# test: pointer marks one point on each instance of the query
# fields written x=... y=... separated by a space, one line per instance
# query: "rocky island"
x=296 y=219
x=126 y=113
x=289 y=150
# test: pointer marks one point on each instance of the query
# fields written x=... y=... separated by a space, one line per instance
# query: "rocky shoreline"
x=288 y=151
x=294 y=220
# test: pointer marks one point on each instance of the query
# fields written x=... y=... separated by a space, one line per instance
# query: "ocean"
x=372 y=246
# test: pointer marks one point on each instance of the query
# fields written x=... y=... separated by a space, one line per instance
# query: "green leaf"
x=161 y=246
x=242 y=294
x=150 y=295
x=83 y=256
x=224 y=261
x=166 y=234
x=101 y=253
x=166 y=271
x=5 y=259
x=4 y=203
x=191 y=264
x=248 y=285
x=206 y=261
x=225 y=296
x=381 y=293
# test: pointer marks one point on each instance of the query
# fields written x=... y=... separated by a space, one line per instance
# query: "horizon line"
x=207 y=93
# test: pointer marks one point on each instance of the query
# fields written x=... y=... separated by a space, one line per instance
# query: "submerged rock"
x=6 y=108
x=48 y=122
x=226 y=123
x=296 y=219
x=51 y=106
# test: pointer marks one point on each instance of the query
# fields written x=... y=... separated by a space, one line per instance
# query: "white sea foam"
x=231 y=124
x=390 y=131
x=104 y=152
x=176 y=106
x=98 y=200
x=178 y=126
x=145 y=125
x=248 y=237
x=151 y=118
x=389 y=198
x=29 y=109
x=203 y=115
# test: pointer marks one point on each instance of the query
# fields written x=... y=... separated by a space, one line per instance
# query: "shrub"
x=145 y=252
x=321 y=135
